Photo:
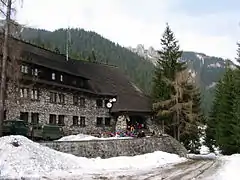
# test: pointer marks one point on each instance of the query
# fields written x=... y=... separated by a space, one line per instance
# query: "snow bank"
x=230 y=168
x=31 y=159
x=210 y=156
x=84 y=137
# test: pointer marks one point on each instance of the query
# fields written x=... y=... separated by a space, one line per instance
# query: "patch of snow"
x=209 y=156
x=230 y=168
x=216 y=65
x=84 y=137
x=211 y=85
x=204 y=149
x=32 y=160
x=233 y=66
x=201 y=58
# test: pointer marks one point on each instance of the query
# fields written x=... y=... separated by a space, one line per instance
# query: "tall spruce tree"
x=210 y=131
x=167 y=67
x=220 y=125
x=236 y=106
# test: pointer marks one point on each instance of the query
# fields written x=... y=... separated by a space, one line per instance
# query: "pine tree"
x=167 y=68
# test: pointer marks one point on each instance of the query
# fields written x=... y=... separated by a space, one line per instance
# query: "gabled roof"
x=104 y=79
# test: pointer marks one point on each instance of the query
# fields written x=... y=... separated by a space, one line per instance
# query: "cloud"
x=140 y=21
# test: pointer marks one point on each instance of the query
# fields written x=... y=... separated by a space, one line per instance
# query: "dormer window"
x=35 y=72
x=53 y=76
x=24 y=69
x=61 y=78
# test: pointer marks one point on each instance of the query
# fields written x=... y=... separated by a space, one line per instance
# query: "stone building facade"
x=83 y=116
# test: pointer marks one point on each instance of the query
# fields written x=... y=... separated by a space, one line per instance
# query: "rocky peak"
x=207 y=69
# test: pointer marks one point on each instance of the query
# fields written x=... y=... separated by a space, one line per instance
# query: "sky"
x=207 y=26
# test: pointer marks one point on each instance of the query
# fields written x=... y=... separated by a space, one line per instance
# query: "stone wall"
x=119 y=147
x=44 y=107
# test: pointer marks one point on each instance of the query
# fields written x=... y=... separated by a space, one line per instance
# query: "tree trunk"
x=4 y=66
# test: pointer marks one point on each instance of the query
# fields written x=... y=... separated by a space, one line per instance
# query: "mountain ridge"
x=196 y=62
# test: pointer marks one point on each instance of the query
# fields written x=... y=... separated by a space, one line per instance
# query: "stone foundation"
x=119 y=147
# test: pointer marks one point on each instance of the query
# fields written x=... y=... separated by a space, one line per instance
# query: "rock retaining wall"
x=118 y=147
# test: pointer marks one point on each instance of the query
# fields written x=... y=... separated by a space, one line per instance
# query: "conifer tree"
x=220 y=125
x=194 y=120
x=167 y=67
x=184 y=106
x=211 y=123
x=236 y=106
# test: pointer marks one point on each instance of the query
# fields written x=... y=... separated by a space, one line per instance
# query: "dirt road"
x=189 y=170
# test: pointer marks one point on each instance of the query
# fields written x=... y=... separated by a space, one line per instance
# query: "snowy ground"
x=34 y=161
x=31 y=159
x=84 y=137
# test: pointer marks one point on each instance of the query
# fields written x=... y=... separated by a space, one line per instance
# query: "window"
x=74 y=82
x=99 y=103
x=24 y=116
x=35 y=118
x=35 y=94
x=75 y=120
x=61 y=78
x=99 y=121
x=61 y=98
x=23 y=92
x=61 y=120
x=81 y=83
x=5 y=115
x=107 y=121
x=52 y=119
x=82 y=121
x=35 y=72
x=82 y=101
x=53 y=76
x=75 y=100
x=24 y=69
x=53 y=97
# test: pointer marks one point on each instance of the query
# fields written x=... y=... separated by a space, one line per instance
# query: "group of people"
x=136 y=127
x=131 y=131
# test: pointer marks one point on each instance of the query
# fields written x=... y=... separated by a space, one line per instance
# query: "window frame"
x=53 y=97
x=61 y=97
x=61 y=119
x=54 y=119
x=97 y=121
x=107 y=119
x=82 y=101
x=82 y=122
x=75 y=119
x=53 y=76
x=98 y=104
x=33 y=116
